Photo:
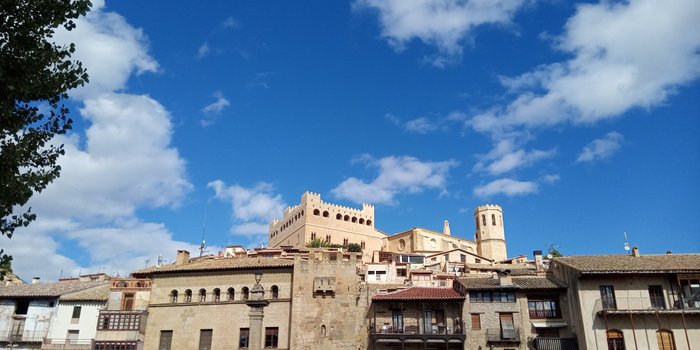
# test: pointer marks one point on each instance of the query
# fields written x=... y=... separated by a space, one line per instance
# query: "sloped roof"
x=54 y=289
x=521 y=282
x=99 y=293
x=421 y=293
x=219 y=263
x=624 y=263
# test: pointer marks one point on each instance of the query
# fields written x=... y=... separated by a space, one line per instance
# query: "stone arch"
x=325 y=213
x=317 y=212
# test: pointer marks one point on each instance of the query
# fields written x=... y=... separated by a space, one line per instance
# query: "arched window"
x=665 y=339
x=616 y=341
x=188 y=296
x=317 y=212
x=302 y=212
x=245 y=293
x=369 y=222
x=346 y=218
x=202 y=295
x=217 y=294
x=339 y=217
x=275 y=291
x=362 y=221
x=483 y=220
x=173 y=296
x=354 y=219
x=477 y=223
x=231 y=293
x=325 y=213
x=493 y=219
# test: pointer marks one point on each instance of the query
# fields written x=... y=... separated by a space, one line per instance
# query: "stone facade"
x=490 y=232
x=313 y=219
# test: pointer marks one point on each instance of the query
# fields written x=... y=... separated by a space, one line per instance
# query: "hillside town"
x=329 y=279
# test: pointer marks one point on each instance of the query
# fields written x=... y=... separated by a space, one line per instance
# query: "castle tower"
x=490 y=234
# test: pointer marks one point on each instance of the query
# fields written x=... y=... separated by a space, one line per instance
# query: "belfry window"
x=493 y=220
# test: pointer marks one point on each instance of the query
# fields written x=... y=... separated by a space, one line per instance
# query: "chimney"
x=182 y=258
x=538 y=259
x=504 y=278
x=635 y=251
x=35 y=280
x=446 y=228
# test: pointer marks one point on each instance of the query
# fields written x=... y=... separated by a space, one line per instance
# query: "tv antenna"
x=203 y=245
x=627 y=243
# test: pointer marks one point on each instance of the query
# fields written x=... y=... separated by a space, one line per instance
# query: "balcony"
x=25 y=337
x=545 y=314
x=413 y=333
x=66 y=344
x=547 y=343
x=498 y=335
x=644 y=305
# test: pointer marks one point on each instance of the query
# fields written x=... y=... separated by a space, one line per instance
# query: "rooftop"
x=54 y=289
x=219 y=263
x=421 y=293
x=99 y=293
x=521 y=282
x=624 y=263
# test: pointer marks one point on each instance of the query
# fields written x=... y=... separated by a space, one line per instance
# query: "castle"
x=313 y=219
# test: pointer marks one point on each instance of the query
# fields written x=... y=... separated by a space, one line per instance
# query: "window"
x=217 y=294
x=115 y=345
x=616 y=341
x=401 y=272
x=231 y=293
x=665 y=339
x=173 y=296
x=317 y=212
x=492 y=296
x=656 y=296
x=369 y=222
x=166 y=338
x=76 y=312
x=397 y=321
x=346 y=218
x=447 y=257
x=116 y=321
x=339 y=217
x=477 y=261
x=72 y=336
x=275 y=292
x=476 y=322
x=128 y=302
x=483 y=220
x=245 y=292
x=345 y=242
x=271 y=335
x=462 y=258
x=205 y=339
x=188 y=296
x=354 y=219
x=325 y=214
x=544 y=308
x=362 y=221
x=507 y=326
x=313 y=236
x=493 y=220
x=362 y=245
x=607 y=296
x=202 y=295
x=244 y=335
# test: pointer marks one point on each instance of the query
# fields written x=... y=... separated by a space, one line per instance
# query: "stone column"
x=256 y=328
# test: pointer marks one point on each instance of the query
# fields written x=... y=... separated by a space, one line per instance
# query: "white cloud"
x=508 y=187
x=252 y=208
x=203 y=50
x=124 y=163
x=601 y=149
x=425 y=125
x=420 y=125
x=614 y=67
x=397 y=175
x=445 y=24
x=214 y=109
x=549 y=178
x=231 y=22
x=110 y=49
x=506 y=157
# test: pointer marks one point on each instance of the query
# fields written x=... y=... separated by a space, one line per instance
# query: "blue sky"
x=579 y=119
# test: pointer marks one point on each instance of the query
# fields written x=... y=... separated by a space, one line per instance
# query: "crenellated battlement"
x=488 y=206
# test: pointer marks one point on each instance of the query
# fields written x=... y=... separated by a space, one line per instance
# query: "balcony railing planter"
x=498 y=335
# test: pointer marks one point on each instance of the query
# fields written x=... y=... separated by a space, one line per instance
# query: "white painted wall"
x=86 y=324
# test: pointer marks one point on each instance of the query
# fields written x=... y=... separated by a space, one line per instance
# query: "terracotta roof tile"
x=623 y=263
x=54 y=289
x=421 y=293
x=219 y=263
x=99 y=293
x=522 y=282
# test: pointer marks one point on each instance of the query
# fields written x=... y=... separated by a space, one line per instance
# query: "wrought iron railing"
x=539 y=314
x=457 y=328
x=642 y=303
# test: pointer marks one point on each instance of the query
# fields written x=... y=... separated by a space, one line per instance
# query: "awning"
x=548 y=323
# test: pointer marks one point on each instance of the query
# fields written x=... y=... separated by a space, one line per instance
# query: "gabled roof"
x=460 y=249
x=47 y=290
x=219 y=263
x=421 y=293
x=522 y=283
x=99 y=293
x=624 y=263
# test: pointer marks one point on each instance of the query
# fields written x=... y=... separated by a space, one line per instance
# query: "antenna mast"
x=203 y=243
x=627 y=243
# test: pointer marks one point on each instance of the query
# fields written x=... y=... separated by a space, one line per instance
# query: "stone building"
x=122 y=323
x=314 y=219
x=633 y=301
x=217 y=303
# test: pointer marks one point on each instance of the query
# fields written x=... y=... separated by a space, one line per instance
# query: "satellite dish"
x=549 y=256
x=627 y=246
